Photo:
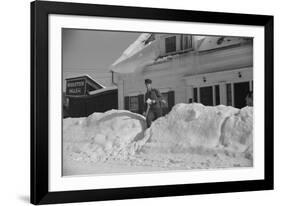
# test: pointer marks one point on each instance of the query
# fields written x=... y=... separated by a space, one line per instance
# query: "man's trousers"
x=152 y=115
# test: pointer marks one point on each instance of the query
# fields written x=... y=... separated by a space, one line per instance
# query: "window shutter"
x=217 y=94
x=127 y=102
x=171 y=99
x=195 y=98
x=141 y=103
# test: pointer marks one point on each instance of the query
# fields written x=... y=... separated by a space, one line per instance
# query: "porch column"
x=121 y=94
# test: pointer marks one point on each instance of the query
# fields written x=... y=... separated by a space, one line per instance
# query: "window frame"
x=138 y=103
x=165 y=43
x=182 y=42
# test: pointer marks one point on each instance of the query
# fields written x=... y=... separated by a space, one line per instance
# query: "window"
x=170 y=44
x=134 y=103
x=209 y=95
x=186 y=42
x=165 y=96
x=195 y=99
x=217 y=93
x=206 y=96
x=228 y=95
x=169 y=97
x=240 y=91
x=165 y=108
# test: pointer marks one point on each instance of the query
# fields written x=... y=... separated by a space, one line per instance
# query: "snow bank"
x=102 y=135
x=187 y=130
x=195 y=125
x=237 y=131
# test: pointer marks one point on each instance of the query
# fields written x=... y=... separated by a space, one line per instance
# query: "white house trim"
x=220 y=77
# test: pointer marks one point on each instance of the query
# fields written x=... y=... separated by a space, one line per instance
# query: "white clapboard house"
x=211 y=70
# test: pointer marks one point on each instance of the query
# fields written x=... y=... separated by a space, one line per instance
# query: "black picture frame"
x=40 y=108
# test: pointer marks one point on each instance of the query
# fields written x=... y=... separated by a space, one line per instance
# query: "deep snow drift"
x=191 y=136
x=102 y=135
x=194 y=125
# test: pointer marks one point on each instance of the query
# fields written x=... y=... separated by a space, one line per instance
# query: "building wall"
x=222 y=79
x=171 y=74
x=84 y=106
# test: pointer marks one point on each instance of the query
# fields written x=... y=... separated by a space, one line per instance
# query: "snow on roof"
x=85 y=75
x=135 y=47
x=136 y=56
x=214 y=42
x=143 y=52
x=102 y=90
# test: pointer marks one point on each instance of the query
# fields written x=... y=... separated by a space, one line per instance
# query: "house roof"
x=89 y=78
x=135 y=47
x=139 y=54
x=103 y=90
x=136 y=56
x=143 y=52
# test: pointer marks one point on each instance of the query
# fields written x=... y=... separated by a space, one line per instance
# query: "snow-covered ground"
x=191 y=136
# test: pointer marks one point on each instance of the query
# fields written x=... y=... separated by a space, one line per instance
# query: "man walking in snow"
x=153 y=100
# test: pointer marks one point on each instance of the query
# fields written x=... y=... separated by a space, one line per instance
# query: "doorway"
x=206 y=96
x=241 y=89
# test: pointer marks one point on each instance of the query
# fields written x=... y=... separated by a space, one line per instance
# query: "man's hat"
x=148 y=81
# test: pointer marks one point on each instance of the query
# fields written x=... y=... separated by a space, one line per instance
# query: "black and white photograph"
x=132 y=102
x=140 y=102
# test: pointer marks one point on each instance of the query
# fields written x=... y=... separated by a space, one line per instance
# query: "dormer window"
x=170 y=44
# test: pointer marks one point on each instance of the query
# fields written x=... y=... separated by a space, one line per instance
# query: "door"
x=241 y=89
x=206 y=96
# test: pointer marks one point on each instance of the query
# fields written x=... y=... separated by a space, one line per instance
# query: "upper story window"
x=170 y=44
x=186 y=42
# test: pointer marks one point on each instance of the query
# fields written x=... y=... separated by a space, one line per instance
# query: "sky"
x=92 y=52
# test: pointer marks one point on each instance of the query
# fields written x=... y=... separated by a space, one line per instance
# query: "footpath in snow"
x=191 y=136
